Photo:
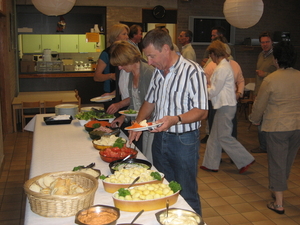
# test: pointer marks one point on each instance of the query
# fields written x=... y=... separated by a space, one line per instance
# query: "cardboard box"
x=69 y=68
x=27 y=66
x=27 y=58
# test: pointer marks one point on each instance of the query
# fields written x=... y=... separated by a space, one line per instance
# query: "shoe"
x=205 y=168
x=274 y=208
x=245 y=168
x=258 y=150
x=204 y=140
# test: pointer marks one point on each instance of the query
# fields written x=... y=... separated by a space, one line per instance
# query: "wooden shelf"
x=58 y=74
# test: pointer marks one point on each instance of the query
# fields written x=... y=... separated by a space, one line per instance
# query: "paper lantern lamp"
x=54 y=7
x=243 y=13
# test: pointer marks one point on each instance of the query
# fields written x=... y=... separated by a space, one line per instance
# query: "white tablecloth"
x=60 y=148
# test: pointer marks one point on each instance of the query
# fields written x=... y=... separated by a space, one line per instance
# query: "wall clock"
x=159 y=12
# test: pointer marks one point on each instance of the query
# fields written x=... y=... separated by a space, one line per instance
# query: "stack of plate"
x=66 y=109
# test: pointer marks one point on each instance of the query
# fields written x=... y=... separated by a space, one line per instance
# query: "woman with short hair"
x=278 y=103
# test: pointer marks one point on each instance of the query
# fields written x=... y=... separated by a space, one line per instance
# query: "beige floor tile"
x=234 y=199
x=216 y=185
x=285 y=221
x=218 y=220
x=244 y=207
x=225 y=210
x=209 y=194
x=252 y=197
x=224 y=192
x=254 y=216
x=209 y=212
x=216 y=201
x=234 y=219
x=241 y=190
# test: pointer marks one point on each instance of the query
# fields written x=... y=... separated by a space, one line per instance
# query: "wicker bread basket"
x=62 y=205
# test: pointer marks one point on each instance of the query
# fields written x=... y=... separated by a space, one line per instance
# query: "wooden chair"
x=29 y=110
x=78 y=98
x=51 y=106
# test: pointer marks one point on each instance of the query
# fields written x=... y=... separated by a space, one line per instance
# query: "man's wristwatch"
x=179 y=120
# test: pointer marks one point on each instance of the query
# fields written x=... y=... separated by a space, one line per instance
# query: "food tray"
x=62 y=205
x=50 y=121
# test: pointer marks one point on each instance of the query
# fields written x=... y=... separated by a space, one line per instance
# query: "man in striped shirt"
x=177 y=98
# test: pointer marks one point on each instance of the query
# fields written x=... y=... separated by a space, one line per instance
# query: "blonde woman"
x=128 y=58
x=105 y=72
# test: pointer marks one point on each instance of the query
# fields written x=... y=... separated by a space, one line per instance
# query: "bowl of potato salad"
x=148 y=196
x=124 y=177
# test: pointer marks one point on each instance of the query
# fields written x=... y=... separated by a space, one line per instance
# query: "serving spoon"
x=137 y=216
x=133 y=182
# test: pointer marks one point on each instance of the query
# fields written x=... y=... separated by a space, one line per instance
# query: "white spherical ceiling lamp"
x=54 y=7
x=243 y=13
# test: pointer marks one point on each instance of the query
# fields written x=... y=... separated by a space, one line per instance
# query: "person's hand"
x=261 y=73
x=167 y=121
x=107 y=94
x=118 y=121
x=134 y=136
x=113 y=108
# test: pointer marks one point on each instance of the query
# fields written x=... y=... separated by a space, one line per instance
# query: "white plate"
x=89 y=108
x=103 y=99
x=125 y=114
x=151 y=127
x=109 y=119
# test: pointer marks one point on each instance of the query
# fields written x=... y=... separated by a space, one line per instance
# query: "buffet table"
x=60 y=148
x=65 y=96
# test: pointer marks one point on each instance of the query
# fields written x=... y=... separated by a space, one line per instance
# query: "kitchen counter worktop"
x=57 y=74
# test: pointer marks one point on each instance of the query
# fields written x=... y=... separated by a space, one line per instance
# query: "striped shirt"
x=181 y=90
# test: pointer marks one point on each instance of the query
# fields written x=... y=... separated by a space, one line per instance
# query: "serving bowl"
x=179 y=215
x=98 y=215
x=89 y=126
x=98 y=134
x=109 y=156
x=147 y=205
x=129 y=163
x=113 y=187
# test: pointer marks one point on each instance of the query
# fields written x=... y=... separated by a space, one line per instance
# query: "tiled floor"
x=227 y=196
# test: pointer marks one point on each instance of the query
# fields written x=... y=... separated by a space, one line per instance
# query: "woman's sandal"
x=274 y=207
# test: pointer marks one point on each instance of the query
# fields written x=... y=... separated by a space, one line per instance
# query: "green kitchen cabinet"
x=69 y=43
x=86 y=46
x=32 y=43
x=51 y=41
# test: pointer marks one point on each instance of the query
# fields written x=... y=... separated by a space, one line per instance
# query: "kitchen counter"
x=57 y=74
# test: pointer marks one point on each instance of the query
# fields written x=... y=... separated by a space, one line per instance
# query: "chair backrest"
x=51 y=104
x=31 y=105
x=78 y=98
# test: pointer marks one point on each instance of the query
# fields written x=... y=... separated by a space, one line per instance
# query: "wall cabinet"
x=86 y=46
x=31 y=43
x=69 y=43
x=51 y=41
x=62 y=43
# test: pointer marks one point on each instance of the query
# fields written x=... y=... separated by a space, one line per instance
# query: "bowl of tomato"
x=115 y=153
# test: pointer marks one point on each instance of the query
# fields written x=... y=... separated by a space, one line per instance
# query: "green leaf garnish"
x=156 y=175
x=123 y=192
x=103 y=177
x=77 y=168
x=175 y=186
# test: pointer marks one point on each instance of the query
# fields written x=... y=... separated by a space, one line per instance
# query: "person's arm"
x=240 y=84
x=191 y=116
x=260 y=103
x=99 y=76
x=113 y=108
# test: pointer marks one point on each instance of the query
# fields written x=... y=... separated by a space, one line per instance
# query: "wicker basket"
x=62 y=205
